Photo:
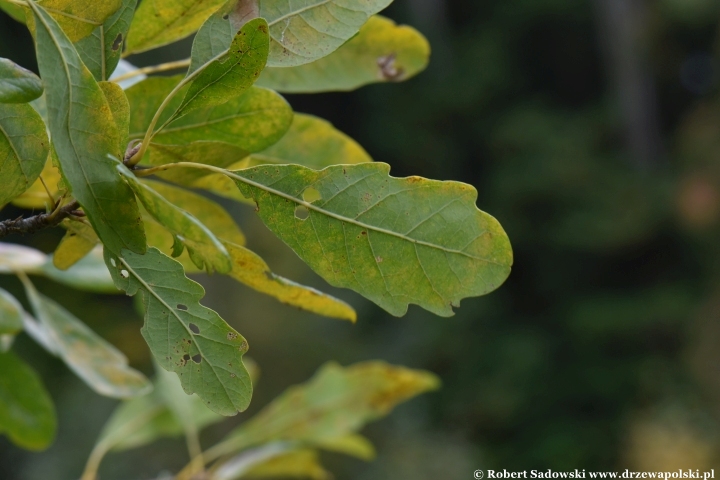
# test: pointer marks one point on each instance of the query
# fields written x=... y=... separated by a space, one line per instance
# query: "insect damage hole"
x=311 y=195
x=197 y=358
x=194 y=328
x=124 y=273
x=301 y=212
x=180 y=306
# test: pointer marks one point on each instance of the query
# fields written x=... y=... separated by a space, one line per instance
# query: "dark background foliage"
x=591 y=130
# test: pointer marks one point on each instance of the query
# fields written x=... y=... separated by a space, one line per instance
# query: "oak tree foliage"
x=82 y=142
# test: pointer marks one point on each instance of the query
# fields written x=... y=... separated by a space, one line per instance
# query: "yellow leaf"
x=296 y=464
x=250 y=269
x=36 y=197
x=79 y=240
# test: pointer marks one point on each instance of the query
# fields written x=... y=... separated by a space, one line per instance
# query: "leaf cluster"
x=78 y=135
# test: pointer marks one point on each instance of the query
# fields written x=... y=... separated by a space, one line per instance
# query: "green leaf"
x=184 y=336
x=84 y=134
x=213 y=38
x=77 y=19
x=19 y=258
x=24 y=147
x=120 y=110
x=250 y=122
x=395 y=241
x=101 y=51
x=18 y=85
x=230 y=74
x=99 y=364
x=302 y=32
x=27 y=414
x=199 y=240
x=248 y=268
x=310 y=141
x=210 y=214
x=381 y=52
x=10 y=314
x=88 y=274
x=159 y=22
x=336 y=402
x=79 y=240
x=15 y=11
x=218 y=154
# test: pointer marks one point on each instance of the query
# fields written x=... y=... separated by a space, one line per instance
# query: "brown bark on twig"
x=23 y=226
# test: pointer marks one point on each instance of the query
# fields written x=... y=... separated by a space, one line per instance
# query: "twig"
x=23 y=226
x=163 y=67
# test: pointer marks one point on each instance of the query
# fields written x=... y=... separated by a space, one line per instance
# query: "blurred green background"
x=591 y=130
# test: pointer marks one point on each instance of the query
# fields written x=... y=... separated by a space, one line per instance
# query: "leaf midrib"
x=344 y=219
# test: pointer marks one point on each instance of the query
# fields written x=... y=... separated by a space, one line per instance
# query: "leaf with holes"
x=18 y=85
x=395 y=241
x=310 y=141
x=101 y=51
x=27 y=414
x=228 y=75
x=84 y=133
x=203 y=246
x=185 y=337
x=99 y=364
x=336 y=402
x=24 y=148
x=302 y=32
x=159 y=22
x=381 y=52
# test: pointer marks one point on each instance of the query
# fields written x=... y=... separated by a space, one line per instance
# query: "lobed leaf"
x=84 y=133
x=99 y=364
x=101 y=51
x=27 y=414
x=381 y=52
x=188 y=230
x=336 y=402
x=24 y=148
x=230 y=74
x=304 y=31
x=395 y=241
x=184 y=336
x=10 y=314
x=159 y=22
x=17 y=84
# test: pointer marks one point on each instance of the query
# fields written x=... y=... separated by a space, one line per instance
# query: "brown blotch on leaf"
x=232 y=335
x=117 y=42
x=387 y=67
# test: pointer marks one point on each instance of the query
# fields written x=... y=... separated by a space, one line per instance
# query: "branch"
x=38 y=222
